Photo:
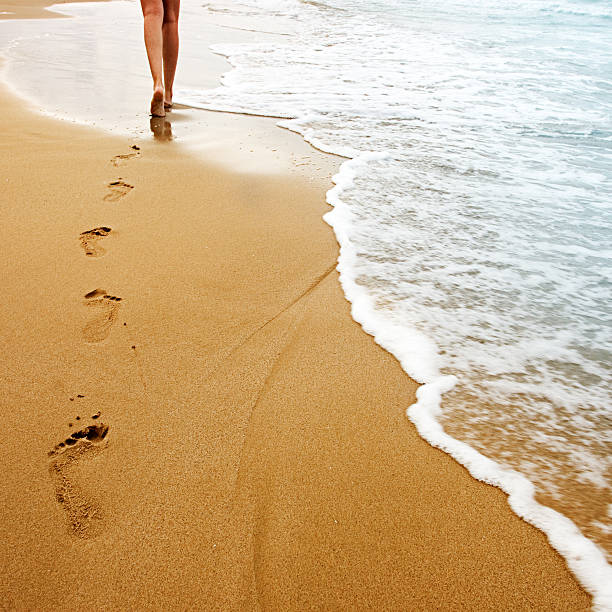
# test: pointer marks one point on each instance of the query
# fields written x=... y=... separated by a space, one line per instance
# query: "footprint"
x=119 y=159
x=83 y=516
x=89 y=241
x=91 y=433
x=118 y=190
x=105 y=308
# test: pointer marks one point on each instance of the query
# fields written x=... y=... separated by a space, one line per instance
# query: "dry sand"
x=257 y=453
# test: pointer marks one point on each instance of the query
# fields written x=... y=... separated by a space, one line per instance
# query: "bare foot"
x=157 y=103
x=168 y=99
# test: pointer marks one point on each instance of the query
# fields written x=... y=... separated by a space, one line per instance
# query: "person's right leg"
x=153 y=13
x=171 y=45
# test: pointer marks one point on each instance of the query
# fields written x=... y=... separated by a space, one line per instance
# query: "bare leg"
x=153 y=13
x=171 y=46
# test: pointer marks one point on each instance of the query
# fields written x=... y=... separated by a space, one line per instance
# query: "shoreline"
x=244 y=462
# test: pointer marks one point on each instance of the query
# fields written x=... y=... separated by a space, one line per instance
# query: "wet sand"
x=231 y=438
x=31 y=9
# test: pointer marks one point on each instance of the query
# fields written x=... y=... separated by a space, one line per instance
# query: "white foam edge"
x=417 y=355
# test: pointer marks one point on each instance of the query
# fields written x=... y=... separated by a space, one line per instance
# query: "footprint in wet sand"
x=118 y=190
x=105 y=309
x=90 y=239
x=84 y=517
x=118 y=160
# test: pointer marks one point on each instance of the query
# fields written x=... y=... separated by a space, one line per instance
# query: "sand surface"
x=240 y=442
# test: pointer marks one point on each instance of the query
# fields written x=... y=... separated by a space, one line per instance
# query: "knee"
x=170 y=17
x=153 y=12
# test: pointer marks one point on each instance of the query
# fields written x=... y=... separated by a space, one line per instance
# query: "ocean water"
x=473 y=214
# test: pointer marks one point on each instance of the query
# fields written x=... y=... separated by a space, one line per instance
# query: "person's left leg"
x=153 y=13
x=171 y=46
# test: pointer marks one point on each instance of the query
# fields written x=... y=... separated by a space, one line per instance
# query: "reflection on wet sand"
x=161 y=128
